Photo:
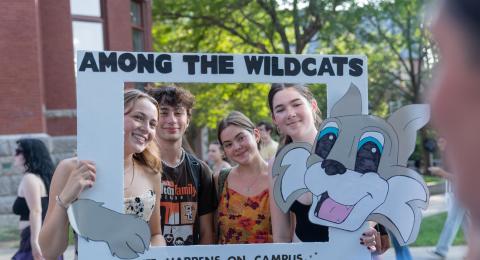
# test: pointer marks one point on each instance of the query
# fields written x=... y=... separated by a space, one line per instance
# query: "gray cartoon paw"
x=126 y=235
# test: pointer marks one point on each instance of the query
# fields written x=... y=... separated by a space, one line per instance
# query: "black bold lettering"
x=145 y=63
x=205 y=64
x=253 y=63
x=109 y=61
x=305 y=67
x=163 y=63
x=340 y=61
x=356 y=67
x=191 y=60
x=276 y=70
x=292 y=66
x=88 y=62
x=266 y=66
x=326 y=66
x=127 y=62
x=276 y=257
x=225 y=64
x=299 y=257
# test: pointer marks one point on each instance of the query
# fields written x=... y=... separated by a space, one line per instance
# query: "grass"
x=430 y=231
x=430 y=180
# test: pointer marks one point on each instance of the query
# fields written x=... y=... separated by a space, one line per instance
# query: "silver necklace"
x=182 y=157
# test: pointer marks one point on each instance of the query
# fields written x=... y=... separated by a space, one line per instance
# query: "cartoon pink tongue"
x=333 y=211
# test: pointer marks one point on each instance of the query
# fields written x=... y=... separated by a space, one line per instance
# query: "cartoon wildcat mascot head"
x=356 y=170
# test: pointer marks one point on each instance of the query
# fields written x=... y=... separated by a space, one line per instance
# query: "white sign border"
x=100 y=138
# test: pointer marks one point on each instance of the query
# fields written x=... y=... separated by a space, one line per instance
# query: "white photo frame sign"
x=100 y=84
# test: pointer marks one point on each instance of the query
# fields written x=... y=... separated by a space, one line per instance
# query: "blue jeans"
x=401 y=252
x=455 y=217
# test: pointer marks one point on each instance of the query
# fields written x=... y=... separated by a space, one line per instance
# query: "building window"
x=138 y=28
x=87 y=25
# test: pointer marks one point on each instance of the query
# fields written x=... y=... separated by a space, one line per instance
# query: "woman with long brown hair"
x=243 y=211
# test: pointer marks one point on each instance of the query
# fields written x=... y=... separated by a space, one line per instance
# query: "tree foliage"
x=391 y=33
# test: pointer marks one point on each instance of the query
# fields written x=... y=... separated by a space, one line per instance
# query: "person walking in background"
x=142 y=170
x=244 y=211
x=32 y=156
x=268 y=146
x=401 y=252
x=188 y=191
x=456 y=213
x=216 y=157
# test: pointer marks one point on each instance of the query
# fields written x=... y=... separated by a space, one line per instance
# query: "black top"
x=305 y=230
x=20 y=207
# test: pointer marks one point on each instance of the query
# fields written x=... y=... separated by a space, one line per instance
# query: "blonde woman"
x=142 y=166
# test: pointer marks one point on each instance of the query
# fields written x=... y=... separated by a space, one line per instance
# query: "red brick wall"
x=21 y=87
x=59 y=73
x=36 y=61
x=118 y=26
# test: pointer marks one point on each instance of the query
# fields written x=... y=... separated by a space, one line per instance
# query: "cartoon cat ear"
x=288 y=170
x=349 y=104
x=406 y=121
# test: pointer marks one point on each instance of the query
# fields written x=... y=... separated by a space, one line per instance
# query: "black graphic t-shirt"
x=181 y=203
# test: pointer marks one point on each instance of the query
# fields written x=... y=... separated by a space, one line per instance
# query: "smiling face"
x=140 y=122
x=343 y=200
x=239 y=144
x=173 y=123
x=293 y=113
x=344 y=179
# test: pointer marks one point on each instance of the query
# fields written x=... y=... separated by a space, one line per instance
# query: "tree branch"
x=270 y=9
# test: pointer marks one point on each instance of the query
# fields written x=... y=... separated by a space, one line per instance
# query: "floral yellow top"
x=244 y=220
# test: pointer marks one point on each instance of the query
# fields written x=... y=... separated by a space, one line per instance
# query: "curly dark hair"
x=174 y=96
x=37 y=159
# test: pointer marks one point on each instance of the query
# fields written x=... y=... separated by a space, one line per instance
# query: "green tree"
x=399 y=28
x=390 y=33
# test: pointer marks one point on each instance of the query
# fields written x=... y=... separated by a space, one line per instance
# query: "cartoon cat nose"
x=333 y=167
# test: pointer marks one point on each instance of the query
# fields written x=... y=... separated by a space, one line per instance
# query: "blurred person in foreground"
x=456 y=98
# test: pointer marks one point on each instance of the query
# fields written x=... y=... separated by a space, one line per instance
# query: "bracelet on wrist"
x=61 y=203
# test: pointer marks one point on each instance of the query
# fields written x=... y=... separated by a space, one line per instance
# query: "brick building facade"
x=37 y=76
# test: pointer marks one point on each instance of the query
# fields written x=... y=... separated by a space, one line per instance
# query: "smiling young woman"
x=243 y=212
x=295 y=112
x=142 y=168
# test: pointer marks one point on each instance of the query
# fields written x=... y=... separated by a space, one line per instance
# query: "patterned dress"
x=242 y=219
x=142 y=205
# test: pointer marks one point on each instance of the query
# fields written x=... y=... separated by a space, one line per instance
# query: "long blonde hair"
x=150 y=157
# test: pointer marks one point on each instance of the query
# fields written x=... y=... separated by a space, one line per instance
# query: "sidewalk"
x=7 y=249
x=422 y=253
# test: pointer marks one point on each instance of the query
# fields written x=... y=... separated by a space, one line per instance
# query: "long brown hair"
x=303 y=91
x=150 y=157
